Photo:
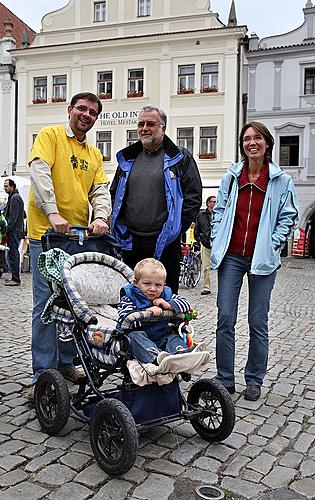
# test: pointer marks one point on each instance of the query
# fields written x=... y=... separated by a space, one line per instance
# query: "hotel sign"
x=109 y=118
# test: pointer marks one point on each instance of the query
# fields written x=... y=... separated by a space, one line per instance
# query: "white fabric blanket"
x=163 y=373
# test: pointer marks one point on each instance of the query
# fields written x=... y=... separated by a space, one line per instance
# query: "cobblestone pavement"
x=269 y=455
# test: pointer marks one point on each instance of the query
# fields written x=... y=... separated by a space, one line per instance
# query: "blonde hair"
x=150 y=266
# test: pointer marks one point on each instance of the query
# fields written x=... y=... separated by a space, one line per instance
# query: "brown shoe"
x=72 y=374
x=12 y=283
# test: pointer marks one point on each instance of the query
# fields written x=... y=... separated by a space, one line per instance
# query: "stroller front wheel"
x=52 y=402
x=113 y=436
x=217 y=412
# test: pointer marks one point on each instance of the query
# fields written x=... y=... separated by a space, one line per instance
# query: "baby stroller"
x=3 y=246
x=91 y=283
x=190 y=264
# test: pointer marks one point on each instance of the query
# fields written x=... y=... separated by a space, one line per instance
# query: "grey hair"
x=153 y=107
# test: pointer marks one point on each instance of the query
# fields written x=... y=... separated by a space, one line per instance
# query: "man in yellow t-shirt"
x=67 y=175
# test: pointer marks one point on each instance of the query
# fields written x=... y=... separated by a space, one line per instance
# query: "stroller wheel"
x=217 y=416
x=52 y=402
x=113 y=437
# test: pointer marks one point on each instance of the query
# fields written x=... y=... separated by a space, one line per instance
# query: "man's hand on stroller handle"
x=99 y=226
x=58 y=223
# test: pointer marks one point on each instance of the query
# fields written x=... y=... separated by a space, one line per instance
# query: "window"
x=185 y=138
x=59 y=88
x=289 y=151
x=209 y=77
x=144 y=8
x=208 y=143
x=132 y=136
x=40 y=89
x=105 y=84
x=99 y=11
x=186 y=79
x=104 y=144
x=309 y=81
x=135 y=83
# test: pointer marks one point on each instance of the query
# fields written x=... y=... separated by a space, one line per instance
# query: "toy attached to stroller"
x=91 y=283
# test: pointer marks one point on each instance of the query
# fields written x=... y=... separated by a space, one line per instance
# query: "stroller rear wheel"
x=51 y=400
x=113 y=437
x=217 y=419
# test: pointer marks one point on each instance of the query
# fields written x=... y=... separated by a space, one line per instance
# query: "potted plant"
x=206 y=88
x=185 y=90
x=135 y=93
x=39 y=100
x=58 y=99
x=207 y=156
x=106 y=158
x=103 y=95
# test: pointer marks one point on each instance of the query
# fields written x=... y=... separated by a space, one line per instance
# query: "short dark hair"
x=260 y=128
x=210 y=198
x=90 y=97
x=11 y=183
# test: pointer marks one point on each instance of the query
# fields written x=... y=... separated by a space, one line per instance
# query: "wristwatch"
x=102 y=218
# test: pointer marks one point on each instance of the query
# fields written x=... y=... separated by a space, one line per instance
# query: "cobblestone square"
x=269 y=455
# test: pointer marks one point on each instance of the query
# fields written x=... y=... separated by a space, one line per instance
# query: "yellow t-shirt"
x=75 y=168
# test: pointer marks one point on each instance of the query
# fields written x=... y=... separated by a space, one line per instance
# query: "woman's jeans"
x=230 y=279
x=45 y=352
x=145 y=350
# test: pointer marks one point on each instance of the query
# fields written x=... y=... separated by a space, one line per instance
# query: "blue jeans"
x=230 y=279
x=146 y=351
x=45 y=351
x=13 y=256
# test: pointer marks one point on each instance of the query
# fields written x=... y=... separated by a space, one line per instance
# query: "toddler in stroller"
x=91 y=284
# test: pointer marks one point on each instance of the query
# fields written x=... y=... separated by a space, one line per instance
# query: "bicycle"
x=190 y=265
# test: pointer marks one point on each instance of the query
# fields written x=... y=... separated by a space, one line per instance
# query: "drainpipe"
x=241 y=43
x=12 y=72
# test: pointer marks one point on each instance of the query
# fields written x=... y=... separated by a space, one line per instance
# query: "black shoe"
x=186 y=377
x=252 y=392
x=205 y=292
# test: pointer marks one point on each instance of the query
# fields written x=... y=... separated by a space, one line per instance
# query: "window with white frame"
x=208 y=143
x=59 y=88
x=209 y=77
x=132 y=136
x=105 y=84
x=289 y=151
x=144 y=8
x=186 y=79
x=104 y=144
x=40 y=89
x=185 y=138
x=309 y=81
x=99 y=11
x=135 y=82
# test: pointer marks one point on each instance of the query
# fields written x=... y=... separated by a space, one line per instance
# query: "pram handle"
x=83 y=228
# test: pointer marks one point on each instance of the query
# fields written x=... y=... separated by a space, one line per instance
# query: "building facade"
x=281 y=94
x=132 y=53
x=13 y=33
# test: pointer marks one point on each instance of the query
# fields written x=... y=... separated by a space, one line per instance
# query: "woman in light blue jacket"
x=255 y=214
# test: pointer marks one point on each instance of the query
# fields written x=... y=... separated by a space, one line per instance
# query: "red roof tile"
x=18 y=25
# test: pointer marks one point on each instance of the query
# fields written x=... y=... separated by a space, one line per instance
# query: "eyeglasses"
x=149 y=124
x=248 y=138
x=85 y=109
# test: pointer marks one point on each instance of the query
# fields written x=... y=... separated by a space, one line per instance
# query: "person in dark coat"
x=14 y=214
x=202 y=235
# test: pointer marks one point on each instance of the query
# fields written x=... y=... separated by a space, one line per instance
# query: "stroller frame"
x=112 y=428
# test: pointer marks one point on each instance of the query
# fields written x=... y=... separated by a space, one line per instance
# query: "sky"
x=265 y=17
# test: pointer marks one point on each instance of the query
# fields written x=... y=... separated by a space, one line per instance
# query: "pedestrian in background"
x=156 y=194
x=14 y=215
x=67 y=175
x=202 y=235
x=255 y=214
